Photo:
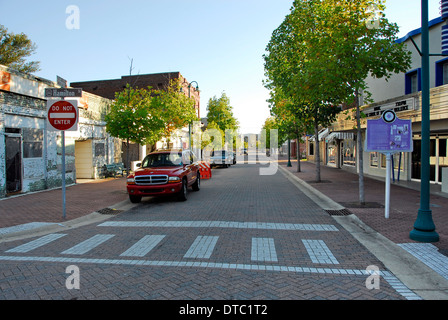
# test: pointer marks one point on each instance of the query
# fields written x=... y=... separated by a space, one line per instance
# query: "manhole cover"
x=109 y=211
x=342 y=212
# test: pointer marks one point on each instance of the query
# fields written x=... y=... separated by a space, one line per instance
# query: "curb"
x=412 y=272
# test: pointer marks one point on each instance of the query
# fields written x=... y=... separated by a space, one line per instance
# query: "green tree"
x=220 y=112
x=133 y=116
x=291 y=121
x=298 y=65
x=14 y=49
x=364 y=44
x=175 y=108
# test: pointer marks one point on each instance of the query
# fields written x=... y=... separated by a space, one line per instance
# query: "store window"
x=374 y=159
x=332 y=151
x=349 y=153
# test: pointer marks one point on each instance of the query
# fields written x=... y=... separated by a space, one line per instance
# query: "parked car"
x=167 y=172
x=221 y=158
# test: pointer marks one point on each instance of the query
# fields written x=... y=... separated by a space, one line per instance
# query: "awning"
x=322 y=134
x=340 y=135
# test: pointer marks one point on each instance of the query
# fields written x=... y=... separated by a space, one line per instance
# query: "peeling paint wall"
x=24 y=113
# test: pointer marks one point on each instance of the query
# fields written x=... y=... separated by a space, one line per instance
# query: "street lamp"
x=189 y=125
x=424 y=228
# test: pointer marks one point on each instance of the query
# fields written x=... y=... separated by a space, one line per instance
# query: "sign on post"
x=389 y=135
x=62 y=115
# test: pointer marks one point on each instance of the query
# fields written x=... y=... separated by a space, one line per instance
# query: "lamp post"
x=189 y=125
x=424 y=228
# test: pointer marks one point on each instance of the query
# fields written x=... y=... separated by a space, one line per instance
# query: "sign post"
x=389 y=135
x=62 y=115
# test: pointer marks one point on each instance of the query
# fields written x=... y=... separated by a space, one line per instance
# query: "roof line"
x=431 y=23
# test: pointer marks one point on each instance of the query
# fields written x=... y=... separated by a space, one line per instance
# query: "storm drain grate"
x=342 y=212
x=109 y=211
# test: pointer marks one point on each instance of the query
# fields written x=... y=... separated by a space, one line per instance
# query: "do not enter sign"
x=62 y=115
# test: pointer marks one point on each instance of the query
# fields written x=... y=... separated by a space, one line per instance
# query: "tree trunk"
x=317 y=151
x=299 y=156
x=359 y=152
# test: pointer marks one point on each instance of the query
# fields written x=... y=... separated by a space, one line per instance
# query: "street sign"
x=62 y=115
x=61 y=81
x=63 y=92
x=389 y=134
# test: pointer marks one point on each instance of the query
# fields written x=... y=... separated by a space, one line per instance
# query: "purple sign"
x=389 y=134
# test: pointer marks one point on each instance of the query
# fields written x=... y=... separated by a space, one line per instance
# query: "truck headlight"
x=130 y=180
x=174 y=179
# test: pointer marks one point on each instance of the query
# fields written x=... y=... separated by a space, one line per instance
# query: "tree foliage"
x=14 y=49
x=322 y=53
x=220 y=112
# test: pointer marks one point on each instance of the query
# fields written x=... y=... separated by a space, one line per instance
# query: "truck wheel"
x=197 y=183
x=135 y=199
x=182 y=196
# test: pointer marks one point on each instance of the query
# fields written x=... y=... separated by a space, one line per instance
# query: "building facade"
x=401 y=93
x=30 y=154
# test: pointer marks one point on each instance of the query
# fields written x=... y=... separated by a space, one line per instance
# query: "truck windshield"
x=162 y=160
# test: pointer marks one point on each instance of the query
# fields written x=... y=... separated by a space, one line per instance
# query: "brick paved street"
x=242 y=236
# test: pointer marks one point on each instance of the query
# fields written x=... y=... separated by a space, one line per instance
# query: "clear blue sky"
x=217 y=43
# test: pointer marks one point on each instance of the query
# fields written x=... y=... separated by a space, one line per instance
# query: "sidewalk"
x=46 y=206
x=342 y=187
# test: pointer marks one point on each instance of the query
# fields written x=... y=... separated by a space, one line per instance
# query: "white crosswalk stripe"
x=88 y=244
x=143 y=246
x=263 y=249
x=202 y=247
x=37 y=243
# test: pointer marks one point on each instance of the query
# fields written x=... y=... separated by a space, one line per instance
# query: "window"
x=32 y=142
x=374 y=159
x=311 y=149
x=413 y=81
x=349 y=153
x=442 y=72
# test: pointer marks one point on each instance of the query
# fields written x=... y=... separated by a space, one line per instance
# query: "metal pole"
x=63 y=174
x=388 y=170
x=424 y=228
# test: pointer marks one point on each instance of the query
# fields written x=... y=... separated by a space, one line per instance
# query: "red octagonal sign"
x=63 y=114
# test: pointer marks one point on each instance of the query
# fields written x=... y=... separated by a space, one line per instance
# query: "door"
x=13 y=163
x=84 y=159
x=416 y=160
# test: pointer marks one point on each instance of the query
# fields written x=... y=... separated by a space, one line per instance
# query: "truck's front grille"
x=150 y=180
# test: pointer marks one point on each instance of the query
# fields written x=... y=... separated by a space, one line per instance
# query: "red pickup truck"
x=167 y=172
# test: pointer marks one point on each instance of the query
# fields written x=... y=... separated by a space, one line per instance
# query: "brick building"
x=108 y=88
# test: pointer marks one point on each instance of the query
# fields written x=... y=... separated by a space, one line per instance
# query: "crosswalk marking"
x=202 y=247
x=37 y=243
x=143 y=246
x=263 y=249
x=222 y=224
x=319 y=252
x=88 y=244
